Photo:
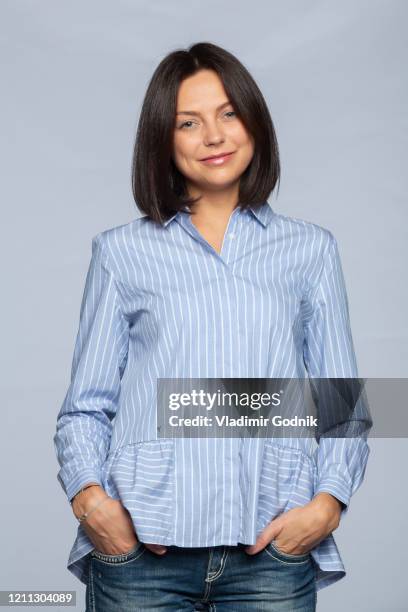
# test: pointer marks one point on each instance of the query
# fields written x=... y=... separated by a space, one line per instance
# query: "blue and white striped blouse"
x=160 y=302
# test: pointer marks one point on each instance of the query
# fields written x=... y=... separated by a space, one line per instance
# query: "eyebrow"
x=194 y=113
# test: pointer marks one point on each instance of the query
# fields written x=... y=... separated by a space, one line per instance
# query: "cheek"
x=242 y=139
x=184 y=151
x=245 y=139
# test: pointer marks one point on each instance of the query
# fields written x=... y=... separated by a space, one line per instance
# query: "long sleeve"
x=329 y=353
x=83 y=429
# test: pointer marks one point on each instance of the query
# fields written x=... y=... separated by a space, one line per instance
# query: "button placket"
x=226 y=246
x=226 y=242
x=233 y=241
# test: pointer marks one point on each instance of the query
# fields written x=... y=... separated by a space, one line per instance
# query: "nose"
x=213 y=135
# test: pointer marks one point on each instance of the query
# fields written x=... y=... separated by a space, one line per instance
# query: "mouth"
x=218 y=159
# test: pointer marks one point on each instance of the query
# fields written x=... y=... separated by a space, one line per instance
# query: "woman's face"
x=206 y=125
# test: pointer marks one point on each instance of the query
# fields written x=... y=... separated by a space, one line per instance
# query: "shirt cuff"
x=338 y=488
x=74 y=485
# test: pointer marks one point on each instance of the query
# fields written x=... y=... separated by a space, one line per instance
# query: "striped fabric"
x=160 y=302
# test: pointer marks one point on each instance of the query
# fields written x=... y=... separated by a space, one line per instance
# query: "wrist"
x=86 y=498
x=329 y=507
x=87 y=486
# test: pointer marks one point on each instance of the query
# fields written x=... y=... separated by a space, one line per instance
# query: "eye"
x=189 y=124
x=181 y=126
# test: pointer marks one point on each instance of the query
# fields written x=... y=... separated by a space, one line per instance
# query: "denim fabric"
x=218 y=578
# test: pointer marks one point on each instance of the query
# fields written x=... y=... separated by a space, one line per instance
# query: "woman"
x=210 y=283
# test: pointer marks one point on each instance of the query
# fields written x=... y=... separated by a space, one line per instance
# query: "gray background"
x=73 y=77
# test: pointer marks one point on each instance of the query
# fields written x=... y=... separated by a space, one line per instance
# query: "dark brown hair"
x=158 y=187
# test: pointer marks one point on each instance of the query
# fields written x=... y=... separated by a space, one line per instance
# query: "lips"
x=218 y=161
x=217 y=156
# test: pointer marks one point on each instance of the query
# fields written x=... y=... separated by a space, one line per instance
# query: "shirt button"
x=232 y=235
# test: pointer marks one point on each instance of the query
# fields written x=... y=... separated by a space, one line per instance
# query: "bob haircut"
x=159 y=189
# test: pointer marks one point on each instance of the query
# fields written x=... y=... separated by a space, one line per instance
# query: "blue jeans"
x=219 y=578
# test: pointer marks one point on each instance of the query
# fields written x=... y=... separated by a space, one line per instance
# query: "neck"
x=215 y=204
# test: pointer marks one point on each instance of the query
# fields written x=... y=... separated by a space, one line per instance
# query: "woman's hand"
x=300 y=529
x=109 y=527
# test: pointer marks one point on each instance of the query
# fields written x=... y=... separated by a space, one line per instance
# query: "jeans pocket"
x=135 y=552
x=274 y=551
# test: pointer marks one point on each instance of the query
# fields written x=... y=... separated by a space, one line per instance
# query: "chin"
x=224 y=181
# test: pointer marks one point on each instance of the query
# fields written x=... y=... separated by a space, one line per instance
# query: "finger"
x=157 y=548
x=269 y=533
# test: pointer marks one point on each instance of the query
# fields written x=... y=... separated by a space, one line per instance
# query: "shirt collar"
x=263 y=213
x=166 y=223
